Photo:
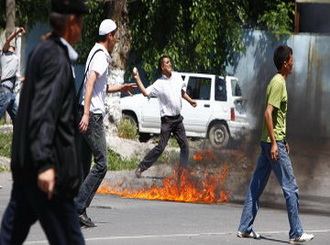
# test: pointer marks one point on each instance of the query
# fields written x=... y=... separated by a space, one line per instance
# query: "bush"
x=127 y=130
x=116 y=162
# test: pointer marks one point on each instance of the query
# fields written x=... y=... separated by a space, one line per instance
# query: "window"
x=199 y=88
x=220 y=89
x=236 y=89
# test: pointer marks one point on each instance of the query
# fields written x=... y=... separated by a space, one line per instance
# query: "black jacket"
x=44 y=133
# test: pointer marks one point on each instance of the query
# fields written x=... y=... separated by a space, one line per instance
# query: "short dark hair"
x=282 y=53
x=161 y=61
x=102 y=38
x=57 y=20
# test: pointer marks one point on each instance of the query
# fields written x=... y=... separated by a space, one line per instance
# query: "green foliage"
x=28 y=12
x=198 y=35
x=127 y=130
x=116 y=162
x=278 y=19
x=5 y=144
x=97 y=10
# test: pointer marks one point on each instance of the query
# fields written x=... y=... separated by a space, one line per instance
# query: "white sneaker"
x=303 y=238
x=252 y=234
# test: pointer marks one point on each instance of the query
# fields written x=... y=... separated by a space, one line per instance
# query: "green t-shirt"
x=276 y=96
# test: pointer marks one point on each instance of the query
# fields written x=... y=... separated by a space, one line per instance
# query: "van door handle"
x=206 y=105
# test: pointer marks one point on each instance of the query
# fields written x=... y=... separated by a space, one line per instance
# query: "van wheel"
x=219 y=136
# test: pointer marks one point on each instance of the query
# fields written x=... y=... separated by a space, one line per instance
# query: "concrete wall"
x=308 y=119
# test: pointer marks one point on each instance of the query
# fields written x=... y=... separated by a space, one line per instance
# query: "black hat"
x=69 y=7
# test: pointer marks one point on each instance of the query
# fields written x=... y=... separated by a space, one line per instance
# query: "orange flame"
x=187 y=188
x=206 y=155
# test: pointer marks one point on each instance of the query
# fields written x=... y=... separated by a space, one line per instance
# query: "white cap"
x=107 y=26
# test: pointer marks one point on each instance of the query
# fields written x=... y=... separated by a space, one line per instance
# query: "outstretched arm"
x=11 y=37
x=124 y=88
x=139 y=82
x=187 y=98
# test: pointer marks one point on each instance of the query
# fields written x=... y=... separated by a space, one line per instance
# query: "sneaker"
x=138 y=172
x=303 y=238
x=251 y=234
x=85 y=221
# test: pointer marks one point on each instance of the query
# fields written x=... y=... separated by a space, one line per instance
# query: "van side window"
x=199 y=88
x=236 y=88
x=220 y=89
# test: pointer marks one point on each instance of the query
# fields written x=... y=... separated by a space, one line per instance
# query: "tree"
x=199 y=35
x=117 y=11
x=10 y=16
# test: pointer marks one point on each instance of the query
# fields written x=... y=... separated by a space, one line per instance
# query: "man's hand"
x=83 y=125
x=128 y=88
x=136 y=73
x=46 y=182
x=21 y=30
x=274 y=151
x=193 y=103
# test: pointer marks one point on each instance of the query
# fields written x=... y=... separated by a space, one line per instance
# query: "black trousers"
x=174 y=125
x=58 y=218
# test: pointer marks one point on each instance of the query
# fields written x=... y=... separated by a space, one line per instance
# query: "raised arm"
x=139 y=82
x=11 y=37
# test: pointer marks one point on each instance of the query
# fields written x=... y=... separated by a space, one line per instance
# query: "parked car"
x=219 y=115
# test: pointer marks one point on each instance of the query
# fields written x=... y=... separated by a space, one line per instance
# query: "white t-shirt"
x=168 y=92
x=100 y=64
x=8 y=66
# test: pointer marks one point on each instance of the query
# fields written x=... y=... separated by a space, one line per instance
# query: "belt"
x=7 y=87
x=172 y=117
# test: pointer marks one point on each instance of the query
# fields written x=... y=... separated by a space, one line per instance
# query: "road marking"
x=176 y=235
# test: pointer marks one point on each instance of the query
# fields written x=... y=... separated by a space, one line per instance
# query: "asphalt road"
x=124 y=221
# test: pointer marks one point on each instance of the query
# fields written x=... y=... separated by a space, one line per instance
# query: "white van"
x=219 y=115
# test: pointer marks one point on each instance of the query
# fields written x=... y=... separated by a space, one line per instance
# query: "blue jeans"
x=92 y=142
x=284 y=174
x=57 y=217
x=7 y=102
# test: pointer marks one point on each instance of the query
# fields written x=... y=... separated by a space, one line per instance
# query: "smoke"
x=308 y=127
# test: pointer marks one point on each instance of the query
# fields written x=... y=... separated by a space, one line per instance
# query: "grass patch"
x=127 y=130
x=116 y=162
x=5 y=144
x=2 y=120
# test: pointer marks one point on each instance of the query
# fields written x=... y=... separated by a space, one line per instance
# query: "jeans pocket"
x=96 y=117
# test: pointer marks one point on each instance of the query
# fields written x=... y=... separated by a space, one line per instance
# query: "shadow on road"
x=274 y=240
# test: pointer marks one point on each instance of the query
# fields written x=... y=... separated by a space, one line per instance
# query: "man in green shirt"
x=275 y=155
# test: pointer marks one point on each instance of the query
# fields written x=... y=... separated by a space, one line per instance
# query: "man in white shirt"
x=169 y=89
x=9 y=64
x=93 y=140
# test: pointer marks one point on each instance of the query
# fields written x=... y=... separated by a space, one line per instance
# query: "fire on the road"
x=190 y=187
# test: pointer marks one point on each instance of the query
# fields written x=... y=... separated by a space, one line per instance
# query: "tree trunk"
x=10 y=16
x=117 y=11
